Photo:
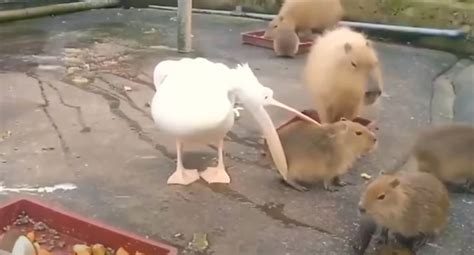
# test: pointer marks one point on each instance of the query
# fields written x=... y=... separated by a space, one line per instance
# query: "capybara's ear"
x=394 y=183
x=372 y=126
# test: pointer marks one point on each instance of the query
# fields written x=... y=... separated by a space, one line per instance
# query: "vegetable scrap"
x=43 y=240
x=78 y=249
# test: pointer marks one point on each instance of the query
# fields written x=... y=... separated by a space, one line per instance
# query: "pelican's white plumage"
x=203 y=106
x=194 y=102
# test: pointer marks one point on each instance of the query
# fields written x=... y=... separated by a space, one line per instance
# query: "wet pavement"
x=75 y=94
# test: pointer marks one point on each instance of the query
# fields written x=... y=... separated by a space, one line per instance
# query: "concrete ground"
x=74 y=108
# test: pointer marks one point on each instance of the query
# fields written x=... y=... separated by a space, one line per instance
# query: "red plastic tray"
x=314 y=115
x=75 y=228
x=256 y=38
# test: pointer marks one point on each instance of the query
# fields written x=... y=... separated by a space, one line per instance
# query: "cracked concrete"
x=105 y=141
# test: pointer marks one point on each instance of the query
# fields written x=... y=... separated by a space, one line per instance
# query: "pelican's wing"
x=195 y=78
x=194 y=94
x=167 y=67
x=161 y=70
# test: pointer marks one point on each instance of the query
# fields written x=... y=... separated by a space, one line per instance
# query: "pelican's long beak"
x=271 y=135
x=283 y=106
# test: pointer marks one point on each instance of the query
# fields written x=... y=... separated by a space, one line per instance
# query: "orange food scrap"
x=139 y=253
x=31 y=236
x=98 y=249
x=121 y=251
x=84 y=252
x=81 y=249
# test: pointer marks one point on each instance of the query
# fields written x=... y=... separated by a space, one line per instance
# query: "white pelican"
x=194 y=102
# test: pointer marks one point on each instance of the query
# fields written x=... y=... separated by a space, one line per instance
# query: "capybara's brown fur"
x=286 y=42
x=339 y=68
x=407 y=203
x=304 y=15
x=447 y=151
x=393 y=250
x=322 y=154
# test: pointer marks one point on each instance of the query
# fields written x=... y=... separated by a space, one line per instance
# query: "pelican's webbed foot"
x=215 y=175
x=184 y=176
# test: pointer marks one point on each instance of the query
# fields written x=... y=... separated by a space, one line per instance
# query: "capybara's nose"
x=362 y=209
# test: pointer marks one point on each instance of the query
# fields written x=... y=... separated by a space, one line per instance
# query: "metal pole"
x=184 y=25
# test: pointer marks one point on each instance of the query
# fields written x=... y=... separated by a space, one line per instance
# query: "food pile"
x=38 y=238
x=99 y=249
x=81 y=249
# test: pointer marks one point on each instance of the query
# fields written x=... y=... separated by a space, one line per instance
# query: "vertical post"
x=184 y=25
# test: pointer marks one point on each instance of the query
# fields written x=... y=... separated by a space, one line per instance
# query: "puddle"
x=109 y=37
x=22 y=40
x=133 y=34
